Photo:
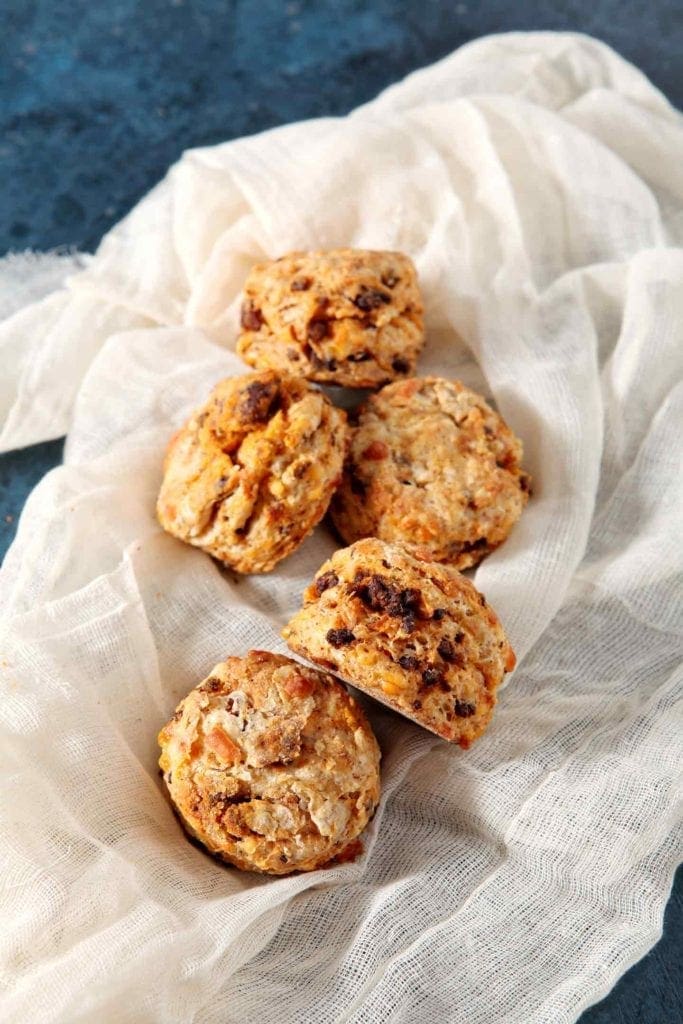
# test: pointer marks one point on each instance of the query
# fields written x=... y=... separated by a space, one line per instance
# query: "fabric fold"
x=534 y=179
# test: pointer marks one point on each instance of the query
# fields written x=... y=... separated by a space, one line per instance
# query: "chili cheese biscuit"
x=416 y=635
x=253 y=470
x=271 y=765
x=431 y=465
x=346 y=316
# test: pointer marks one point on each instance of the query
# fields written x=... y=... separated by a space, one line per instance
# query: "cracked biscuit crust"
x=346 y=316
x=416 y=635
x=431 y=465
x=271 y=764
x=253 y=470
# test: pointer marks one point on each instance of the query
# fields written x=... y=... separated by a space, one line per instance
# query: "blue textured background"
x=98 y=98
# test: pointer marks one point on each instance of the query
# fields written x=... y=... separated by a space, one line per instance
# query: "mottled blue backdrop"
x=98 y=97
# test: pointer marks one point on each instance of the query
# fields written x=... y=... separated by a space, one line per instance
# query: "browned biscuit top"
x=343 y=316
x=253 y=470
x=433 y=466
x=416 y=635
x=271 y=764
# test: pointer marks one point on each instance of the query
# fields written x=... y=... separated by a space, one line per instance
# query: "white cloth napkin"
x=536 y=181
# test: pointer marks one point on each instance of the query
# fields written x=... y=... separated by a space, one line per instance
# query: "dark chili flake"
x=212 y=685
x=408 y=623
x=318 y=329
x=339 y=637
x=409 y=601
x=251 y=317
x=464 y=709
x=379 y=594
x=400 y=365
x=446 y=650
x=390 y=279
x=432 y=677
x=459 y=637
x=370 y=298
x=409 y=662
x=417 y=704
x=324 y=582
x=225 y=800
x=260 y=400
x=301 y=284
x=438 y=614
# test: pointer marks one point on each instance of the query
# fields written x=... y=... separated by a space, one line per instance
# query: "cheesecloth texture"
x=536 y=181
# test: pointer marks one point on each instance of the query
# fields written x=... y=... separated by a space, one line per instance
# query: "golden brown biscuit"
x=253 y=470
x=346 y=316
x=271 y=764
x=416 y=635
x=431 y=465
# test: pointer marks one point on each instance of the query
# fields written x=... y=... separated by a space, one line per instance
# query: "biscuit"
x=346 y=316
x=271 y=765
x=431 y=465
x=416 y=635
x=253 y=470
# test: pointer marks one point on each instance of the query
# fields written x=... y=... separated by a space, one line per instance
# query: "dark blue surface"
x=99 y=98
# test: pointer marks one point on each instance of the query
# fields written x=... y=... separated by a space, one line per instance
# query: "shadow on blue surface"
x=19 y=473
